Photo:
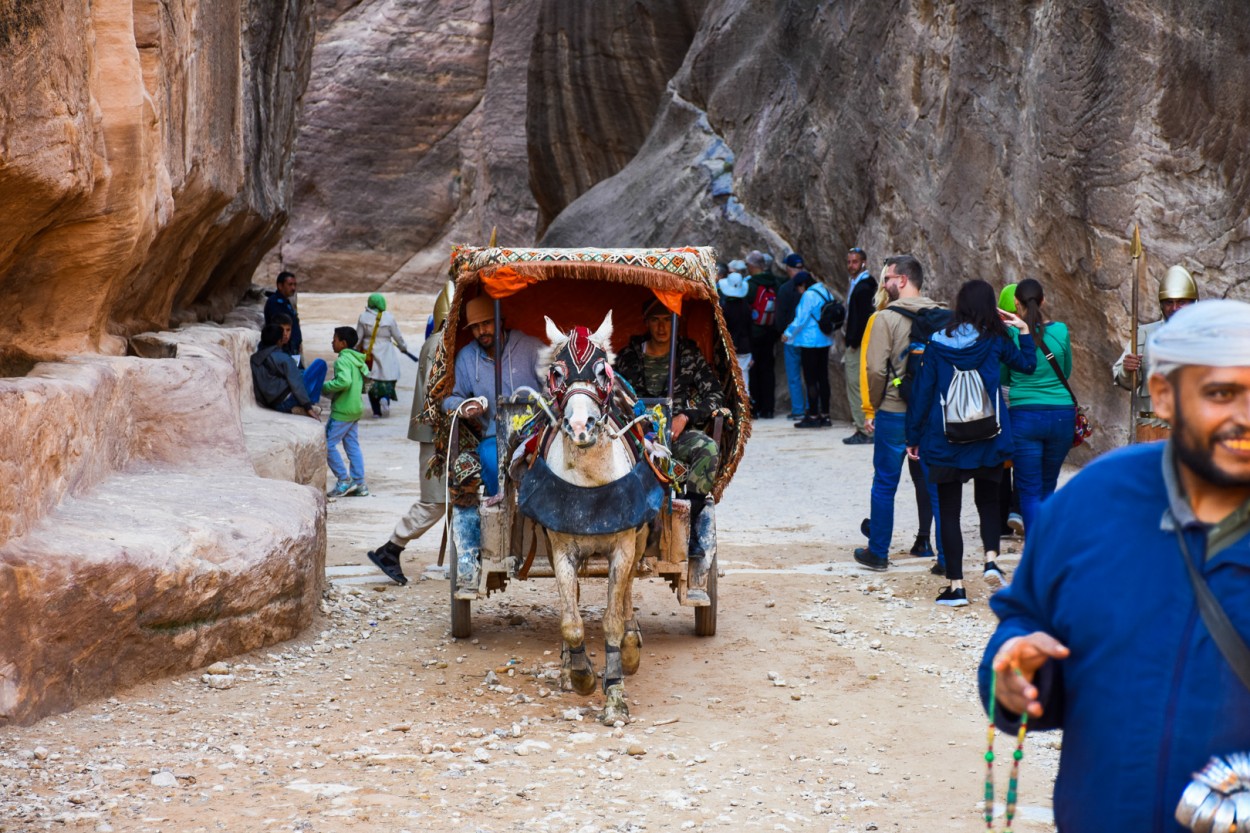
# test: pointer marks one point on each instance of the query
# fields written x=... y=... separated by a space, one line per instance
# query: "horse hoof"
x=631 y=651
x=583 y=681
x=615 y=708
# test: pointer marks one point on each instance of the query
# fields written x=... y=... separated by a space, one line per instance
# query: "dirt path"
x=830 y=700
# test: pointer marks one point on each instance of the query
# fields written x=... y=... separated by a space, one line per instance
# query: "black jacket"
x=738 y=320
x=278 y=304
x=859 y=309
x=275 y=377
x=787 y=303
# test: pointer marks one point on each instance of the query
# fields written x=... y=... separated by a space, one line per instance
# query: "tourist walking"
x=762 y=293
x=960 y=367
x=737 y=312
x=1042 y=408
x=787 y=303
x=804 y=333
x=888 y=359
x=344 y=391
x=379 y=338
x=859 y=306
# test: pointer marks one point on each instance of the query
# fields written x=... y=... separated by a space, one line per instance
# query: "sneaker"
x=922 y=548
x=858 y=438
x=386 y=407
x=357 y=490
x=797 y=417
x=952 y=597
x=871 y=560
x=340 y=489
x=808 y=422
x=939 y=568
x=826 y=422
x=993 y=575
x=1016 y=523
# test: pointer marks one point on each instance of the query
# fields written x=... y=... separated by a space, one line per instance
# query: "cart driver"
x=472 y=400
x=696 y=395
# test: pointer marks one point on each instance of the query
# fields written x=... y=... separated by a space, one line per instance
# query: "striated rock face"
x=413 y=138
x=145 y=154
x=136 y=537
x=991 y=140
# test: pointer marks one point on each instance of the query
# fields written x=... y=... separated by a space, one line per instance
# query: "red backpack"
x=764 y=307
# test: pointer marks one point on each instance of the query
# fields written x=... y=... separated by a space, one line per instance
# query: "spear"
x=1138 y=262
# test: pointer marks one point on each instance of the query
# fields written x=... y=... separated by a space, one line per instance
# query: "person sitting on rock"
x=696 y=395
x=278 y=383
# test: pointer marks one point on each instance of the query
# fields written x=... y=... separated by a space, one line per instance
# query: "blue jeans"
x=794 y=379
x=1042 y=437
x=488 y=453
x=888 y=452
x=345 y=433
x=314 y=378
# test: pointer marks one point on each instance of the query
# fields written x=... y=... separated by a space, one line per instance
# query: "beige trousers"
x=850 y=366
x=427 y=510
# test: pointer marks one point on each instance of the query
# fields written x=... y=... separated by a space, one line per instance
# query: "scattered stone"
x=636 y=750
x=218 y=668
x=218 y=681
x=164 y=779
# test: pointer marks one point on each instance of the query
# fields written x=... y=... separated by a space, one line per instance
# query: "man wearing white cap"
x=1126 y=624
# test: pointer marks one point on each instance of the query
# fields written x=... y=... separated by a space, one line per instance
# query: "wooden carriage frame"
x=523 y=282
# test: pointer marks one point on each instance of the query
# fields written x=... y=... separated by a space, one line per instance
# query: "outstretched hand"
x=1016 y=664
x=1013 y=320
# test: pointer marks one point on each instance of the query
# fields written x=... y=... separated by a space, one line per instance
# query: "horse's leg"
x=574 y=662
x=631 y=643
x=620 y=574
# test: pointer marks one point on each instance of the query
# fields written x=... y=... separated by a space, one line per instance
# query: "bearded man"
x=1123 y=622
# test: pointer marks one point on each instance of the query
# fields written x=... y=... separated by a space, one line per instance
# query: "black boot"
x=375 y=402
x=386 y=557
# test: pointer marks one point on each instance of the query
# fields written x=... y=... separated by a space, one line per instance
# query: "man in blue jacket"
x=1101 y=634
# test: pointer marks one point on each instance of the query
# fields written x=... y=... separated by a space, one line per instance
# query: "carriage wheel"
x=461 y=609
x=705 y=617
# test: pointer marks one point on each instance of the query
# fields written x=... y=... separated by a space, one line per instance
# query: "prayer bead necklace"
x=1013 y=780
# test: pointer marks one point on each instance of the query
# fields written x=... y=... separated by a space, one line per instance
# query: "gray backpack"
x=969 y=414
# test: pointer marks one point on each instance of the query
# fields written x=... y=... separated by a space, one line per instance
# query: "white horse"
x=589 y=455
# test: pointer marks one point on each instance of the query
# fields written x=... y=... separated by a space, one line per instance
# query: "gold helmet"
x=1178 y=285
x=442 y=305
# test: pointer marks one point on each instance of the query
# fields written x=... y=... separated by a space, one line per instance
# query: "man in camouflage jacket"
x=696 y=395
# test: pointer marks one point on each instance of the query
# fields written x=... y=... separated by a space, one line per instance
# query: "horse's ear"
x=603 y=335
x=553 y=332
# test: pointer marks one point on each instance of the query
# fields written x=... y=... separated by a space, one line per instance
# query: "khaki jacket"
x=884 y=345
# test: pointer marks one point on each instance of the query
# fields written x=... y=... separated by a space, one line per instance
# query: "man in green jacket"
x=344 y=391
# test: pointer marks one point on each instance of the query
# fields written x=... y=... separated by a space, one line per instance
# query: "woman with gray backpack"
x=958 y=424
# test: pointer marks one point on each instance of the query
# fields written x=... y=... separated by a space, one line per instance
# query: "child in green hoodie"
x=344 y=391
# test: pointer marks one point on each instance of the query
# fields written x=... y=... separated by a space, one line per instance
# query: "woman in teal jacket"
x=1043 y=413
x=804 y=332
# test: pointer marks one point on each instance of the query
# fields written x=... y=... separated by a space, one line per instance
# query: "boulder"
x=137 y=537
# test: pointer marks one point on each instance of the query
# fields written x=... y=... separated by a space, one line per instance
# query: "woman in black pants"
x=961 y=366
x=804 y=332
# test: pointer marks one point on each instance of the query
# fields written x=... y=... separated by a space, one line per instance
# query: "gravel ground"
x=831 y=699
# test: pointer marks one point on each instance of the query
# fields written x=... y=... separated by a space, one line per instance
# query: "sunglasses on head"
x=857 y=251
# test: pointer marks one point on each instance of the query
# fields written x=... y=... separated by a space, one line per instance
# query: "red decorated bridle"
x=580 y=367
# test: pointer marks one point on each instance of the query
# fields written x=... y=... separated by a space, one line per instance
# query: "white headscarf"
x=1211 y=333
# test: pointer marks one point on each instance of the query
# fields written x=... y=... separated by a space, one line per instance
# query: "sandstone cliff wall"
x=145 y=156
x=992 y=140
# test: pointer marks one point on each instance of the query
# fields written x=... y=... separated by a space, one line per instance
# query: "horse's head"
x=579 y=375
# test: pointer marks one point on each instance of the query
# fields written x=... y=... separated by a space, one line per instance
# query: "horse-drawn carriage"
x=542 y=520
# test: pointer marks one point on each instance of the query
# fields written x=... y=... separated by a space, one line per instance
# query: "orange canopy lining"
x=508 y=279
